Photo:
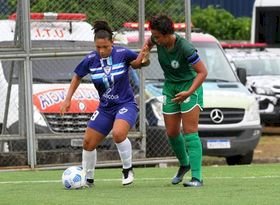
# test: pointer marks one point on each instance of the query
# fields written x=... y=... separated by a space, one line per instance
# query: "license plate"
x=218 y=144
x=76 y=142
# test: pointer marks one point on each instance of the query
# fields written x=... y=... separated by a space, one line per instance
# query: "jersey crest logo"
x=107 y=70
x=175 y=64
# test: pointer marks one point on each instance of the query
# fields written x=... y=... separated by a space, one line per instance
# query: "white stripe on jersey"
x=115 y=66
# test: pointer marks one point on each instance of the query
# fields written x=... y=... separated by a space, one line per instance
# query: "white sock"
x=89 y=162
x=125 y=153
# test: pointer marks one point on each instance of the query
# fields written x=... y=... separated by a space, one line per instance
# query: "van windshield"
x=219 y=69
x=44 y=70
x=259 y=67
x=216 y=63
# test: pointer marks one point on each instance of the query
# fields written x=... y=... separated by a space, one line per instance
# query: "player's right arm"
x=144 y=55
x=75 y=82
x=149 y=43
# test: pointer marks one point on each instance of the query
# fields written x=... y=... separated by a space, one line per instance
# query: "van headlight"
x=157 y=109
x=253 y=113
x=156 y=105
x=38 y=117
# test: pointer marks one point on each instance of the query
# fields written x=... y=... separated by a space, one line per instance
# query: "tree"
x=221 y=23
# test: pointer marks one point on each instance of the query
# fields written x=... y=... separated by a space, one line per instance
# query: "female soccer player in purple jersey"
x=108 y=67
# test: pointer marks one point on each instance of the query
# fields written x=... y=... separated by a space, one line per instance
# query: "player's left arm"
x=202 y=72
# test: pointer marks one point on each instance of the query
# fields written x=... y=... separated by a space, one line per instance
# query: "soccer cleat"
x=128 y=176
x=180 y=174
x=89 y=182
x=194 y=182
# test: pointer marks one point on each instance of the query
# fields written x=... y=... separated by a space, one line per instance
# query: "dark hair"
x=102 y=30
x=162 y=23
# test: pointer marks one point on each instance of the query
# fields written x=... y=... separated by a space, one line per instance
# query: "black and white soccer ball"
x=73 y=178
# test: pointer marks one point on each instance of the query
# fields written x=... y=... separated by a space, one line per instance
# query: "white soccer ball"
x=73 y=178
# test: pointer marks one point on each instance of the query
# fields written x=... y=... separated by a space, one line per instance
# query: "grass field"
x=253 y=184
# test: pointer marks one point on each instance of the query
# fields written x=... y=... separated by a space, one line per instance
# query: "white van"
x=51 y=78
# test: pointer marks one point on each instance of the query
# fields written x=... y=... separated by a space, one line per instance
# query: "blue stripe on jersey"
x=116 y=70
x=193 y=59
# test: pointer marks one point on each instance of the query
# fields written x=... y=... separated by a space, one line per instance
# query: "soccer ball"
x=73 y=178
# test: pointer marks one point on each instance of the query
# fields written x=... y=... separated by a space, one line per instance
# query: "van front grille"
x=230 y=115
x=69 y=123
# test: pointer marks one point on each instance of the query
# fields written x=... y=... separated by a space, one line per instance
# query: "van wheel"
x=240 y=159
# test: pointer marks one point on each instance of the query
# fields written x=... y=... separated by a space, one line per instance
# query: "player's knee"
x=172 y=133
x=191 y=128
x=173 y=130
x=88 y=145
x=118 y=136
x=188 y=131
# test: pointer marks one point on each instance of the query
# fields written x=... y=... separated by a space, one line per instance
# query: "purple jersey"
x=109 y=75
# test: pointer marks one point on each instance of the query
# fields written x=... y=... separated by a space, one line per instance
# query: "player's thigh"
x=124 y=121
x=190 y=120
x=172 y=124
x=102 y=121
x=169 y=107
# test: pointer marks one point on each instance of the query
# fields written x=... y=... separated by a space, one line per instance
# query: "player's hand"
x=65 y=107
x=181 y=97
x=145 y=51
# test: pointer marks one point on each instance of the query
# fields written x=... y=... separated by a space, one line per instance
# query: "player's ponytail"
x=102 y=30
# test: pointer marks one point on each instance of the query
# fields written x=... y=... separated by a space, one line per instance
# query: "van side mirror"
x=242 y=75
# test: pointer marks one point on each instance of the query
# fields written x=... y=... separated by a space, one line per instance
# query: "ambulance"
x=51 y=79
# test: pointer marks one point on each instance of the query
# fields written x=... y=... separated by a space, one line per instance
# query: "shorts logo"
x=187 y=100
x=175 y=64
x=123 y=110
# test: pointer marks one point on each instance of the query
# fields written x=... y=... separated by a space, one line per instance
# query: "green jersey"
x=177 y=62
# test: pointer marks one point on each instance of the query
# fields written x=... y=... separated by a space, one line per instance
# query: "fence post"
x=188 y=19
x=142 y=114
x=29 y=122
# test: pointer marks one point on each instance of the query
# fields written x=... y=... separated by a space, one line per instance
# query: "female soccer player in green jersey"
x=184 y=74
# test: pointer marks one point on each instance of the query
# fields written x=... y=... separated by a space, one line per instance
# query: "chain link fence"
x=61 y=35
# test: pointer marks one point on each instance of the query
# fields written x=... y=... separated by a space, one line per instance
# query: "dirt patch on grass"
x=268 y=149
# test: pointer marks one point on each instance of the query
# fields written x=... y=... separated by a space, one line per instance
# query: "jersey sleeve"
x=82 y=68
x=191 y=53
x=130 y=56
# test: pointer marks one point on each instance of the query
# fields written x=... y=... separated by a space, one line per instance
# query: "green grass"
x=254 y=184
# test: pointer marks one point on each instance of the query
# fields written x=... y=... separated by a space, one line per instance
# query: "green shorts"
x=169 y=92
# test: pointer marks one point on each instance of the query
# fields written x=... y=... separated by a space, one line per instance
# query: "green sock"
x=179 y=148
x=194 y=147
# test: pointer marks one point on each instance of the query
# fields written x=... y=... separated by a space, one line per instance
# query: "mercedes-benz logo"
x=216 y=116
